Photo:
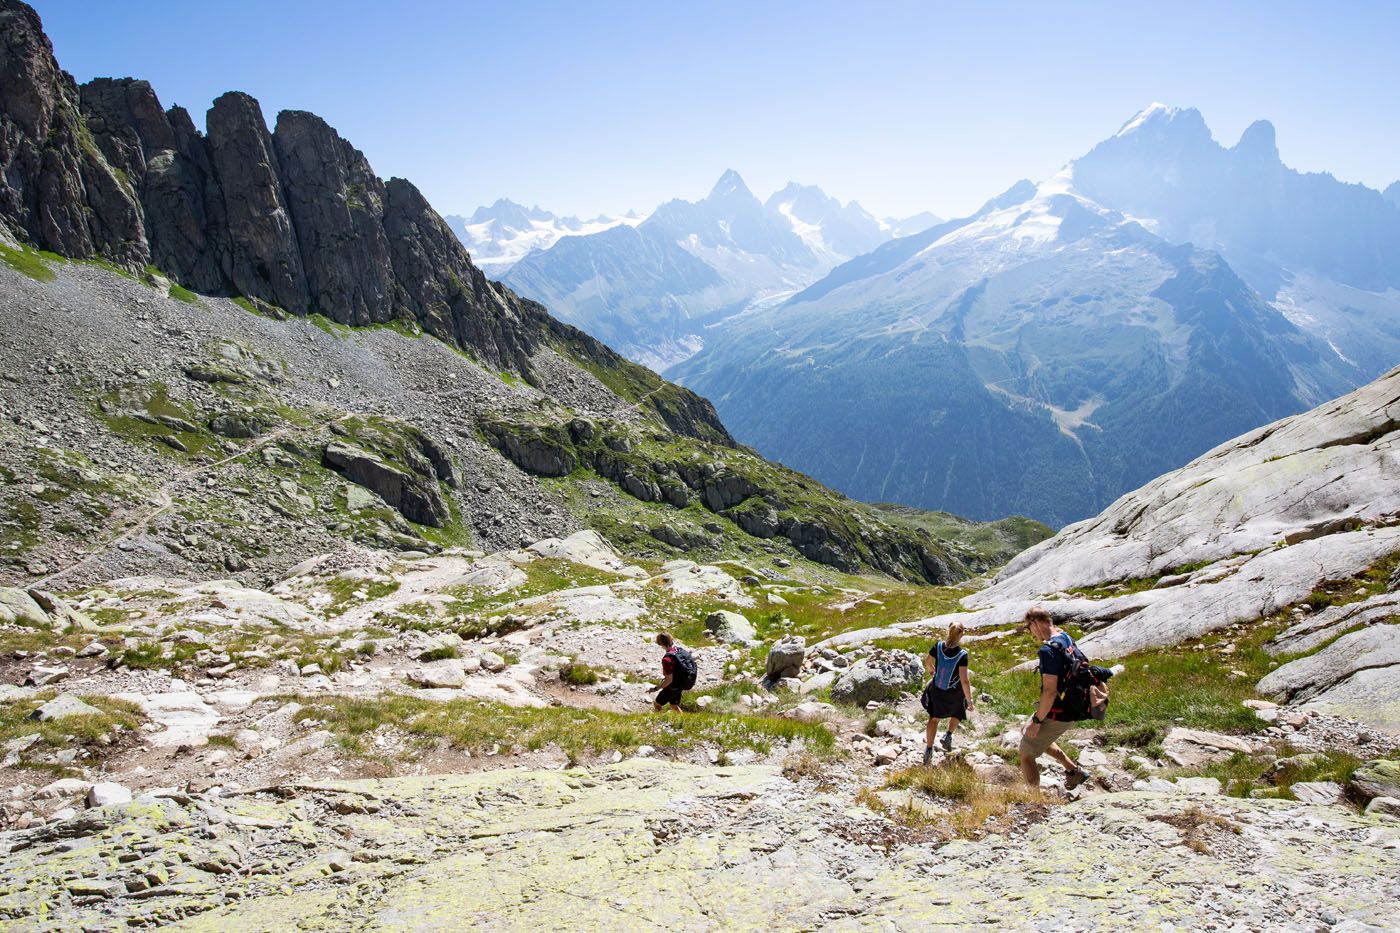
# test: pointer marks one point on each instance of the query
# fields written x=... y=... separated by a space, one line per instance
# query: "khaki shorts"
x=1050 y=730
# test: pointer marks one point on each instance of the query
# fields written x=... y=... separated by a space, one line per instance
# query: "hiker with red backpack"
x=1071 y=690
x=949 y=691
x=678 y=670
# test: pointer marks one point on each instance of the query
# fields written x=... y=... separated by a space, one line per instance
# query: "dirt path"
x=164 y=501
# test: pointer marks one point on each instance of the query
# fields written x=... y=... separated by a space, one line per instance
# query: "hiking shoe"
x=947 y=741
x=1075 y=778
x=928 y=755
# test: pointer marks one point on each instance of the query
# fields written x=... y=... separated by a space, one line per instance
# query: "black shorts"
x=944 y=704
x=670 y=695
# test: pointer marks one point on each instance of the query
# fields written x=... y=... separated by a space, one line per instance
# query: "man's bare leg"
x=1057 y=753
x=1030 y=771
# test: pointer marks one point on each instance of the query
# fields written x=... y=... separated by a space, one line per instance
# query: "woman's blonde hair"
x=955 y=634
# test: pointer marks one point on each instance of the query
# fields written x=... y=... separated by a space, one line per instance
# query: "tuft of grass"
x=804 y=766
x=28 y=261
x=180 y=293
x=951 y=798
x=1273 y=774
x=445 y=653
x=143 y=656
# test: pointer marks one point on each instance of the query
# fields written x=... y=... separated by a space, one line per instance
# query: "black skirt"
x=942 y=704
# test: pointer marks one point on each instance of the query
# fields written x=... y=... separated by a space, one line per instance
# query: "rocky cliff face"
x=294 y=218
x=57 y=187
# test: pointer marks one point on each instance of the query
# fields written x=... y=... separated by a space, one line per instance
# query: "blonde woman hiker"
x=949 y=692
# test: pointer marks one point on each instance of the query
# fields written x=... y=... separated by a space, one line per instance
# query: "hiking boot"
x=928 y=755
x=947 y=741
x=1075 y=778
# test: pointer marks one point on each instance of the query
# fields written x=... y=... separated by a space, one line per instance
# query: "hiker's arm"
x=665 y=682
x=966 y=685
x=1049 y=686
x=928 y=664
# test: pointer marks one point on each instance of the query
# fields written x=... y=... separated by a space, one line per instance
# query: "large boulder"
x=19 y=608
x=417 y=497
x=1380 y=778
x=1191 y=748
x=883 y=676
x=449 y=673
x=1357 y=676
x=61 y=707
x=731 y=627
x=785 y=658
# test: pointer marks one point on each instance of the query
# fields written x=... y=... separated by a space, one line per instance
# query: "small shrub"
x=578 y=674
x=804 y=765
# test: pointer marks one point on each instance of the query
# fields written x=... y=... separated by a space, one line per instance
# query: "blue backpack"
x=945 y=669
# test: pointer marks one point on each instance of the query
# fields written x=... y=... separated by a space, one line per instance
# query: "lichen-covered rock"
x=785 y=658
x=1380 y=778
x=19 y=608
x=461 y=851
x=731 y=627
x=882 y=676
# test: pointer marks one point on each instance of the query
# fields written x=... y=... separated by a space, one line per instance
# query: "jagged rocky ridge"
x=294 y=219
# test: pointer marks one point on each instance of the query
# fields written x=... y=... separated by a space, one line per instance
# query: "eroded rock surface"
x=718 y=849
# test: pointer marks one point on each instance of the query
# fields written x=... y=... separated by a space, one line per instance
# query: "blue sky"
x=603 y=106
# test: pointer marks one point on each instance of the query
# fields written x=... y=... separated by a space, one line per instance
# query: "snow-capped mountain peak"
x=502 y=234
x=730 y=186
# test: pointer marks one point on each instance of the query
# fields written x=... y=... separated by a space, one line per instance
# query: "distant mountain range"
x=1073 y=339
x=651 y=286
x=499 y=236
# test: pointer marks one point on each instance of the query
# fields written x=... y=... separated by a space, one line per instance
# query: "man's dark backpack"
x=1074 y=701
x=686 y=669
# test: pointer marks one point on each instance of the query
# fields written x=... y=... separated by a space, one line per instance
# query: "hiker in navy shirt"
x=1039 y=735
x=678 y=672
x=949 y=692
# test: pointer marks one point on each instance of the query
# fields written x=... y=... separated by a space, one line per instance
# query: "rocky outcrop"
x=264 y=259
x=57 y=188
x=1357 y=676
x=336 y=205
x=882 y=677
x=762 y=499
x=165 y=158
x=1308 y=477
x=415 y=494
